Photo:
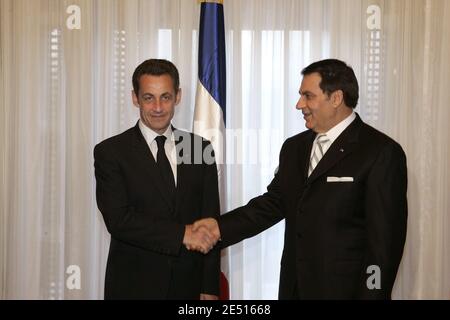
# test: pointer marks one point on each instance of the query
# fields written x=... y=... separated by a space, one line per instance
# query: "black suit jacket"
x=334 y=230
x=147 y=259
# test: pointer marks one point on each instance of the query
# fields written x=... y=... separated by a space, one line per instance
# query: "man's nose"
x=157 y=107
x=300 y=104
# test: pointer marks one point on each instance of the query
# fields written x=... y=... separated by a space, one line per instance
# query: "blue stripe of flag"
x=211 y=56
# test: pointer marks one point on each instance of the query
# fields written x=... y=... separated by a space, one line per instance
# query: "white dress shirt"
x=169 y=145
x=334 y=133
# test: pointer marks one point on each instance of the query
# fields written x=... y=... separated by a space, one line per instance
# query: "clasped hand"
x=202 y=236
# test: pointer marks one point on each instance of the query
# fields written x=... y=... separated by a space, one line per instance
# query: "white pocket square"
x=339 y=179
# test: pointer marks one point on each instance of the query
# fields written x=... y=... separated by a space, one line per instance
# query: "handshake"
x=202 y=235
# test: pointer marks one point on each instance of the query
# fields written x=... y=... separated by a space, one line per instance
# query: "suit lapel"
x=145 y=156
x=304 y=153
x=341 y=147
x=182 y=167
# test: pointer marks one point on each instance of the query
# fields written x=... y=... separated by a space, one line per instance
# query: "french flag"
x=210 y=101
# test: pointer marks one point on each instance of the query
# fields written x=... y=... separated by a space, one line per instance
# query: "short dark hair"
x=336 y=75
x=156 y=67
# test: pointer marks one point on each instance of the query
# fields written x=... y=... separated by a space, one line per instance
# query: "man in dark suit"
x=341 y=186
x=153 y=182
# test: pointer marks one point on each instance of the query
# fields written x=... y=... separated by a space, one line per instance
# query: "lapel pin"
x=342 y=150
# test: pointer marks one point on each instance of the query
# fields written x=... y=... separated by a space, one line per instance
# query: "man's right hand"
x=211 y=225
x=200 y=239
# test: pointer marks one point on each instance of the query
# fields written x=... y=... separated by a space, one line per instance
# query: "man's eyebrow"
x=164 y=94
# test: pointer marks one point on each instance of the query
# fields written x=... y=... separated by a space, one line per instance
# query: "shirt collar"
x=150 y=135
x=335 y=132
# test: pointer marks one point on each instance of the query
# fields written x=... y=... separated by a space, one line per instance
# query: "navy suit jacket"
x=334 y=230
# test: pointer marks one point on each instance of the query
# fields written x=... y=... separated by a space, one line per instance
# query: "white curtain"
x=63 y=90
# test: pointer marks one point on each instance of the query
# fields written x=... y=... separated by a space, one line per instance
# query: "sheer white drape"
x=63 y=91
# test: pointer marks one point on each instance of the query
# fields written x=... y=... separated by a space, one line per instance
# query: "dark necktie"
x=164 y=166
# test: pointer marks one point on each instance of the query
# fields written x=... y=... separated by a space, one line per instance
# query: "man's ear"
x=135 y=99
x=178 y=97
x=337 y=98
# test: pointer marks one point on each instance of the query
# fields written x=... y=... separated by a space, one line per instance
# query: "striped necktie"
x=318 y=152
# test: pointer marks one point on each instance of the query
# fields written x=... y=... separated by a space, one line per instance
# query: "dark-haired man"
x=341 y=187
x=150 y=190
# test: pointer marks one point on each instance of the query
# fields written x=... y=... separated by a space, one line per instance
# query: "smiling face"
x=319 y=109
x=156 y=101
